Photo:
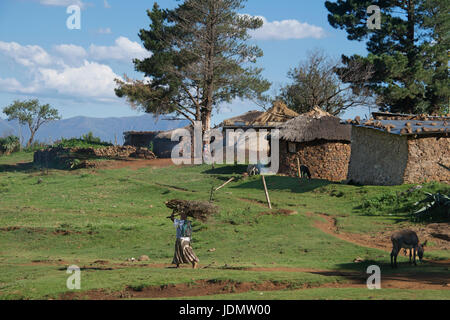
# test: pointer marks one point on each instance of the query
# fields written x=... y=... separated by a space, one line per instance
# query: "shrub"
x=85 y=141
x=9 y=145
x=36 y=146
x=435 y=207
x=379 y=204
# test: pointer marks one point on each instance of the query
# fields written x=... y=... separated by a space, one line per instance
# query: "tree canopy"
x=316 y=82
x=199 y=59
x=32 y=114
x=408 y=53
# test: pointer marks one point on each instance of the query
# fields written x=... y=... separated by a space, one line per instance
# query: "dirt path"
x=135 y=164
x=208 y=287
x=438 y=233
x=350 y=279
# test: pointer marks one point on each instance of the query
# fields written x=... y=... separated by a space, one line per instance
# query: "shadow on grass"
x=425 y=273
x=227 y=169
x=19 y=167
x=282 y=183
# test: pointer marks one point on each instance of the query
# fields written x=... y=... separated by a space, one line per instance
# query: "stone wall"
x=377 y=158
x=325 y=159
x=64 y=157
x=428 y=160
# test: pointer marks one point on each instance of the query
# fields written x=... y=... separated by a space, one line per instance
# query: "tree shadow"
x=27 y=167
x=427 y=273
x=283 y=183
x=227 y=169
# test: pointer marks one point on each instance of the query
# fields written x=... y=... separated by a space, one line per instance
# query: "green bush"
x=85 y=141
x=379 y=204
x=35 y=146
x=9 y=145
x=434 y=208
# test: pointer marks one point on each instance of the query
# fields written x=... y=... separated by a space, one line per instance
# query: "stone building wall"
x=377 y=158
x=428 y=160
x=325 y=159
x=64 y=157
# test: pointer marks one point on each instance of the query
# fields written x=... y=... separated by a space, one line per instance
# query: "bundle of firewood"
x=200 y=210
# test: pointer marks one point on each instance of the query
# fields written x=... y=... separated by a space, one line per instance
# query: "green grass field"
x=50 y=221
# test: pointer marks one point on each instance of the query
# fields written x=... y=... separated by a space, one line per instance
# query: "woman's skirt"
x=184 y=253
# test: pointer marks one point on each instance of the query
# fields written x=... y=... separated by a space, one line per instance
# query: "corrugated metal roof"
x=405 y=127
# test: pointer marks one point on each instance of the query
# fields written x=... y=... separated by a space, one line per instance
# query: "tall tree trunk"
x=30 y=141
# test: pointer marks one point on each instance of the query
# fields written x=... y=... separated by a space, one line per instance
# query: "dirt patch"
x=280 y=212
x=27 y=229
x=435 y=232
x=209 y=287
x=64 y=232
x=196 y=288
x=254 y=201
x=135 y=164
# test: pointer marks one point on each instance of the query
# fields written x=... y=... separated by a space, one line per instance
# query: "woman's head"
x=183 y=216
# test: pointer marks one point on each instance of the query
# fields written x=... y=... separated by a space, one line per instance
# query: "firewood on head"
x=200 y=210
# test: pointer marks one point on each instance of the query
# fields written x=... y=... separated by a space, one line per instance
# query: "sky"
x=74 y=69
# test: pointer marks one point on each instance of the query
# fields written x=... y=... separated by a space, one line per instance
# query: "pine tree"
x=407 y=52
x=200 y=59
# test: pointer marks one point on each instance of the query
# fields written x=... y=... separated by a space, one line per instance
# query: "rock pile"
x=71 y=158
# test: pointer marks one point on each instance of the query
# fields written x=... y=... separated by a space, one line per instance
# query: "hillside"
x=105 y=128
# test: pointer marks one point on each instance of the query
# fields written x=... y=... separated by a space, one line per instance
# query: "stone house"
x=259 y=121
x=319 y=141
x=393 y=150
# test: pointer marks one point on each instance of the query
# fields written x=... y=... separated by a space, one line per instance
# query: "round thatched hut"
x=319 y=141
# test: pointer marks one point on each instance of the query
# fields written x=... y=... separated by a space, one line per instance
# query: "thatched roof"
x=244 y=119
x=315 y=125
x=405 y=127
x=401 y=116
x=168 y=134
x=277 y=114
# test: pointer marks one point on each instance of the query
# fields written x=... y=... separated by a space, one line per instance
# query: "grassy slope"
x=117 y=214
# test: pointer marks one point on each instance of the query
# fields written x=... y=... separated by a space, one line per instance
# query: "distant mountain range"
x=108 y=129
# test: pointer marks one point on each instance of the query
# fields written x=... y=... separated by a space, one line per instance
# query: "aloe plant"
x=437 y=207
x=9 y=144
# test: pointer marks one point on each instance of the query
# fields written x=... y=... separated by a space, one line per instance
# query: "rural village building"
x=319 y=141
x=160 y=140
x=392 y=149
x=258 y=121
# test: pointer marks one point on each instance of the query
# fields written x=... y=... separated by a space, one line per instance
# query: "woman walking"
x=183 y=249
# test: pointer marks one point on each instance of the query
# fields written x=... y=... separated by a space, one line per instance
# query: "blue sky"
x=73 y=70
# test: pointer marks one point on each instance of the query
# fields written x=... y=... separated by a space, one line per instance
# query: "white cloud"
x=286 y=30
x=70 y=70
x=104 y=30
x=124 y=49
x=70 y=53
x=62 y=3
x=91 y=80
x=25 y=55
x=10 y=85
x=106 y=4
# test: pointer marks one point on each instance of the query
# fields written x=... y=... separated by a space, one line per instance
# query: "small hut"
x=259 y=121
x=397 y=149
x=242 y=121
x=163 y=144
x=319 y=141
x=275 y=116
x=141 y=139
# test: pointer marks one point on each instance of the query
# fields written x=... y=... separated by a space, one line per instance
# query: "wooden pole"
x=266 y=192
x=223 y=185
x=298 y=168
